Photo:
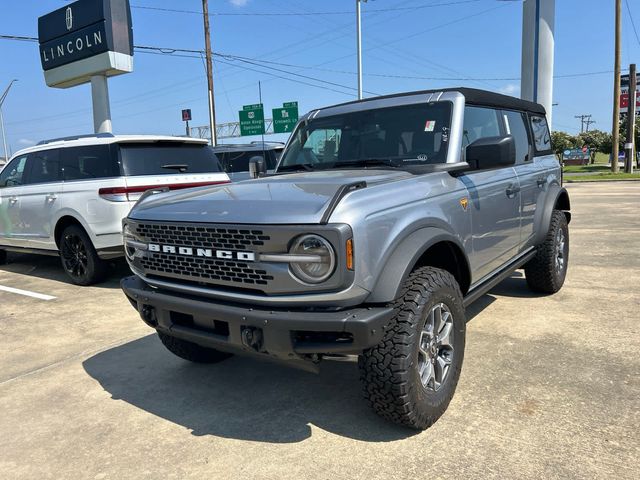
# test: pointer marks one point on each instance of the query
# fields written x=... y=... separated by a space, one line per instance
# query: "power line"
x=633 y=24
x=306 y=14
x=176 y=52
x=269 y=73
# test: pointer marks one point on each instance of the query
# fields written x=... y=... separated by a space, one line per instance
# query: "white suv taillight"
x=132 y=194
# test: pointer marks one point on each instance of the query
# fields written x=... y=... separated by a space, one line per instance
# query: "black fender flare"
x=557 y=198
x=404 y=258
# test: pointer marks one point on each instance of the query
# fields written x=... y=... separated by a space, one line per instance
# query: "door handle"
x=13 y=200
x=51 y=198
x=512 y=190
x=541 y=182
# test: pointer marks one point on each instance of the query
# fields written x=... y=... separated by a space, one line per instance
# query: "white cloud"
x=27 y=142
x=511 y=89
x=239 y=3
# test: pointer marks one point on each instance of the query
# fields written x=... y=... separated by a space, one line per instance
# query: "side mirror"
x=257 y=167
x=491 y=152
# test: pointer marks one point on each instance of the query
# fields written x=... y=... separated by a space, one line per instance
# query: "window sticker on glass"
x=430 y=125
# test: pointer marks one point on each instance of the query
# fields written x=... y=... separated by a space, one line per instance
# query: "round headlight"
x=322 y=259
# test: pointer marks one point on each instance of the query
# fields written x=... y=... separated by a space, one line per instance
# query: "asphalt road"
x=550 y=387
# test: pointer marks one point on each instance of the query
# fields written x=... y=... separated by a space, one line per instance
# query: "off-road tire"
x=541 y=272
x=192 y=351
x=3 y=257
x=74 y=240
x=389 y=371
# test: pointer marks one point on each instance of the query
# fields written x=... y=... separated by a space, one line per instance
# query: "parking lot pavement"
x=549 y=387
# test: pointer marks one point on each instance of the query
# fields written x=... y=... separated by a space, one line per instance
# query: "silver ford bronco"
x=384 y=219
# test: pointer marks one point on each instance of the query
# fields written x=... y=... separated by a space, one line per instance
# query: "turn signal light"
x=350 y=254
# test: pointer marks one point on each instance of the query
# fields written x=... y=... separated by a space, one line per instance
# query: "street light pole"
x=4 y=138
x=359 y=46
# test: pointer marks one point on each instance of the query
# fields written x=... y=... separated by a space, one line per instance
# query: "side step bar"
x=478 y=291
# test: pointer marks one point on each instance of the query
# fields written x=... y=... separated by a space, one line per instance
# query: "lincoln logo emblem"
x=69 y=18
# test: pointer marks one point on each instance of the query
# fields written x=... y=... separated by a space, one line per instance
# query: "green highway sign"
x=252 y=120
x=285 y=118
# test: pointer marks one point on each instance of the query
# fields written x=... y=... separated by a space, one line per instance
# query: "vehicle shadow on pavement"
x=515 y=286
x=49 y=268
x=240 y=398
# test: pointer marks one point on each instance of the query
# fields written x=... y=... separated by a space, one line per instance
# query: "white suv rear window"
x=167 y=158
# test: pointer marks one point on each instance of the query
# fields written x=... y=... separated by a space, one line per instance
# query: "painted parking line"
x=26 y=293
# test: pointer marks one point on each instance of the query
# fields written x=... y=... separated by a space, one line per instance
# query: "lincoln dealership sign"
x=86 y=38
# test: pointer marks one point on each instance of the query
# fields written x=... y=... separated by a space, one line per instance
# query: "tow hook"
x=148 y=314
x=252 y=338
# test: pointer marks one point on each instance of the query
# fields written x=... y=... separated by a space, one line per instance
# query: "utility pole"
x=207 y=41
x=585 y=120
x=615 y=129
x=4 y=137
x=359 y=46
x=631 y=120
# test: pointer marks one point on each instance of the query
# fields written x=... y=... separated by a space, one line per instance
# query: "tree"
x=596 y=141
x=562 y=141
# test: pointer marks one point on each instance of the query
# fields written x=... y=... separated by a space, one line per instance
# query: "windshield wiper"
x=366 y=162
x=297 y=167
x=182 y=167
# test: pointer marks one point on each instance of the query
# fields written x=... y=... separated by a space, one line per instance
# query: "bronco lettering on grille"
x=203 y=252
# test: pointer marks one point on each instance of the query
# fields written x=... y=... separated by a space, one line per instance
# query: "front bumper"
x=287 y=334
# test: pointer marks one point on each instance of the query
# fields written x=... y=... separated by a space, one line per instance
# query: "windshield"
x=167 y=158
x=395 y=137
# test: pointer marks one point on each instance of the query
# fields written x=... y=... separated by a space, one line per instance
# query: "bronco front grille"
x=226 y=256
x=209 y=237
x=210 y=270
x=207 y=269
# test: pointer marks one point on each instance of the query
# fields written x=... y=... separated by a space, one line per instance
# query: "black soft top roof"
x=473 y=96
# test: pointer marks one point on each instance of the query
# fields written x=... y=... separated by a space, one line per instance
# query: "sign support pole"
x=101 y=108
x=359 y=47
x=631 y=120
x=538 y=26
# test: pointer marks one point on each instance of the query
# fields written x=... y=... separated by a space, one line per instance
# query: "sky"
x=304 y=51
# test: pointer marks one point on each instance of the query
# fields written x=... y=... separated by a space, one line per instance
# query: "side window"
x=515 y=126
x=12 y=174
x=89 y=162
x=541 y=135
x=43 y=167
x=479 y=122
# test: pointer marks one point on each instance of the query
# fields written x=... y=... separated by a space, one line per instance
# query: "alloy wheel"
x=74 y=255
x=435 y=353
x=560 y=251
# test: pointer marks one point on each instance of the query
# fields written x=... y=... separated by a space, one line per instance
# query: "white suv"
x=69 y=196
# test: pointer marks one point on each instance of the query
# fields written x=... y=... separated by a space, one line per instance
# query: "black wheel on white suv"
x=411 y=376
x=79 y=258
x=547 y=271
x=192 y=351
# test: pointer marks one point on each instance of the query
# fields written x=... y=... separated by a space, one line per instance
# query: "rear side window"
x=43 y=167
x=515 y=126
x=167 y=158
x=541 y=136
x=12 y=174
x=89 y=162
x=479 y=122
